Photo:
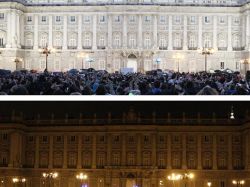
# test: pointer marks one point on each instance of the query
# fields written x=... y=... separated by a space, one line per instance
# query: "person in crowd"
x=104 y=83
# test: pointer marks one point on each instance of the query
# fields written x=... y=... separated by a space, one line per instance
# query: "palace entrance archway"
x=132 y=62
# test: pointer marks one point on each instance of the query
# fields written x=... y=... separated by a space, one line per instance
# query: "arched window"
x=116 y=159
x=131 y=159
x=132 y=41
x=177 y=41
x=192 y=42
x=117 y=40
x=207 y=41
x=162 y=42
x=147 y=41
x=72 y=40
x=236 y=41
x=44 y=40
x=58 y=40
x=87 y=40
x=29 y=40
x=221 y=42
x=102 y=41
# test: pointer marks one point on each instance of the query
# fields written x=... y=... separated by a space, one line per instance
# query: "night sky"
x=102 y=108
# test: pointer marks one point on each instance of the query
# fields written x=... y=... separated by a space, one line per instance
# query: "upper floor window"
x=162 y=19
x=102 y=19
x=236 y=20
x=147 y=18
x=117 y=19
x=192 y=19
x=86 y=19
x=207 y=19
x=132 y=19
x=177 y=19
x=1 y=15
x=222 y=20
x=29 y=19
x=72 y=19
x=44 y=18
x=58 y=18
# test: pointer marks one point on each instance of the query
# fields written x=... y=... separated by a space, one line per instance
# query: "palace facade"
x=125 y=151
x=113 y=34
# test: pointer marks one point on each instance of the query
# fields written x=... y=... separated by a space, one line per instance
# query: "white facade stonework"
x=114 y=31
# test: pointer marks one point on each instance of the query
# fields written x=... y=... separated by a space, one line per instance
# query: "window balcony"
x=101 y=47
x=163 y=48
x=238 y=48
x=192 y=48
x=177 y=48
x=72 y=47
x=3 y=46
x=222 y=48
x=58 y=47
x=26 y=47
x=86 y=47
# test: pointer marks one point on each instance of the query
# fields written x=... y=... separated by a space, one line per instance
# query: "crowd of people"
x=93 y=82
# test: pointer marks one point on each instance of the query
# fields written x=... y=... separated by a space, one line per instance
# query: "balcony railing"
x=177 y=48
x=163 y=48
x=58 y=47
x=2 y=46
x=222 y=48
x=101 y=47
x=238 y=48
x=72 y=47
x=192 y=48
x=86 y=47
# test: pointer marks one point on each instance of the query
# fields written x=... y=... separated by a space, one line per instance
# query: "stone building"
x=125 y=151
x=113 y=34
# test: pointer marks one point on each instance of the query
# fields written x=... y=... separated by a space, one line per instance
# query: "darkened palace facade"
x=126 y=150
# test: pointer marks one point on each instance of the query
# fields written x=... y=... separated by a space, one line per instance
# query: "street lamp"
x=84 y=55
x=46 y=51
x=245 y=62
x=206 y=51
x=50 y=176
x=174 y=177
x=238 y=183
x=16 y=180
x=209 y=184
x=82 y=177
x=178 y=57
x=158 y=61
x=17 y=61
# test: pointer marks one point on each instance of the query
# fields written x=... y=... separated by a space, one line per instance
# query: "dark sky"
x=191 y=108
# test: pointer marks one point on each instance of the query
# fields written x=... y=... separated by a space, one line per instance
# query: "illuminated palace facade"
x=125 y=152
x=112 y=34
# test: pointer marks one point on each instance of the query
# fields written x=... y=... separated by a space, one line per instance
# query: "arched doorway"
x=131 y=182
x=132 y=62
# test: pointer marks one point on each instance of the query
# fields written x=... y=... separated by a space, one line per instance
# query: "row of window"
x=133 y=19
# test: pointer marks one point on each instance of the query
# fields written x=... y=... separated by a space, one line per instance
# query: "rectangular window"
x=207 y=19
x=117 y=19
x=86 y=19
x=72 y=138
x=5 y=136
x=31 y=138
x=44 y=18
x=147 y=18
x=222 y=65
x=1 y=15
x=58 y=138
x=29 y=19
x=102 y=19
x=222 y=184
x=45 y=139
x=132 y=19
x=1 y=42
x=72 y=19
x=192 y=19
x=162 y=19
x=222 y=20
x=236 y=20
x=58 y=18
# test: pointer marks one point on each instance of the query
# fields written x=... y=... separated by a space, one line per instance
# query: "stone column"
x=184 y=152
x=94 y=32
x=65 y=151
x=154 y=150
x=18 y=34
x=79 y=152
x=199 y=151
x=155 y=32
x=65 y=32
x=110 y=31
x=36 y=32
x=200 y=33
x=247 y=150
x=230 y=161
x=109 y=136
x=214 y=152
x=248 y=31
x=169 y=165
x=50 y=151
x=138 y=150
x=215 y=32
x=22 y=30
x=79 y=45
x=13 y=30
x=37 y=153
x=50 y=31
x=140 y=31
x=94 y=152
x=125 y=32
x=229 y=31
x=170 y=32
x=185 y=46
x=8 y=42
x=124 y=150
